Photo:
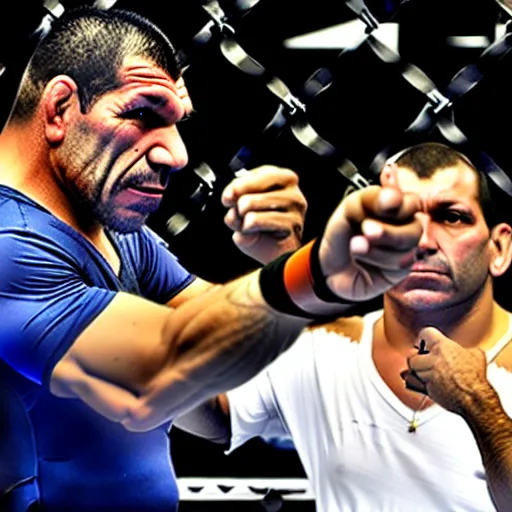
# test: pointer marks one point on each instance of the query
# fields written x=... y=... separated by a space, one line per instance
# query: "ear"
x=59 y=96
x=501 y=249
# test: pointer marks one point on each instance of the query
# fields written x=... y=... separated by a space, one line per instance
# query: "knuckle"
x=244 y=205
x=301 y=205
x=291 y=175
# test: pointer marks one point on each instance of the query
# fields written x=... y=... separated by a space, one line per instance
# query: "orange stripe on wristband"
x=299 y=283
x=297 y=276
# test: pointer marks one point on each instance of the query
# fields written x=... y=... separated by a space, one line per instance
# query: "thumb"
x=245 y=240
x=429 y=337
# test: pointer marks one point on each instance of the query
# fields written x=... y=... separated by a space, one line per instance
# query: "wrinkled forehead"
x=142 y=73
x=459 y=182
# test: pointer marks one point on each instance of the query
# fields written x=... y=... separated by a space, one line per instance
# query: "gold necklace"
x=413 y=423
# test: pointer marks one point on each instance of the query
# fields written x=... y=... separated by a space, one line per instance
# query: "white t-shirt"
x=351 y=431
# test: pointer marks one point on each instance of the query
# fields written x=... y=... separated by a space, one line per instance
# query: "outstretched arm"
x=456 y=378
x=371 y=260
x=142 y=364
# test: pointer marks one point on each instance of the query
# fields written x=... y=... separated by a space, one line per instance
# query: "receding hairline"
x=460 y=165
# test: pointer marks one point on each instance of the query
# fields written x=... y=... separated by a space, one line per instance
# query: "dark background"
x=367 y=107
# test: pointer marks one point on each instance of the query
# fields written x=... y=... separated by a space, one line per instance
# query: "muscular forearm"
x=492 y=428
x=214 y=343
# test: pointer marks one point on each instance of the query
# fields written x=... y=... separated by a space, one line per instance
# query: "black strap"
x=438 y=113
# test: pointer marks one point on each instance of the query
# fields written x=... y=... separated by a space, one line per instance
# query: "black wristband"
x=274 y=291
x=322 y=291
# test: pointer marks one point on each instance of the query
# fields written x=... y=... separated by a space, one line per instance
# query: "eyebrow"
x=443 y=204
x=162 y=106
x=157 y=100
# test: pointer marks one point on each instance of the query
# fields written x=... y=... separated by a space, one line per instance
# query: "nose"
x=168 y=151
x=427 y=243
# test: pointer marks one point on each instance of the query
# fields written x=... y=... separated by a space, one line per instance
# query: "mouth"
x=424 y=269
x=147 y=190
x=143 y=199
x=413 y=271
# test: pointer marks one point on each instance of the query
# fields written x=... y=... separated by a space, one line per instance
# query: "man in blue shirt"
x=104 y=337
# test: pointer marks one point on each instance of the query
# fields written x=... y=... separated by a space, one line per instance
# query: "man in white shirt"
x=407 y=408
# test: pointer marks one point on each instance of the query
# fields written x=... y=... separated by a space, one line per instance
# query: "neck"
x=26 y=166
x=476 y=322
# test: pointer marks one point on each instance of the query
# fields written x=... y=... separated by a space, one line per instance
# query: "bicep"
x=197 y=288
x=123 y=346
x=109 y=400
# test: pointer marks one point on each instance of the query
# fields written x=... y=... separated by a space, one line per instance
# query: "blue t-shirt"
x=53 y=284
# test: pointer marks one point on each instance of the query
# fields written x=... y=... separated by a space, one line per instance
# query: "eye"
x=148 y=117
x=452 y=217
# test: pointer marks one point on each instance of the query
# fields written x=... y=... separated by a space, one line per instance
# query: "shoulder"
x=504 y=358
x=346 y=327
x=143 y=235
x=143 y=244
x=27 y=226
x=28 y=247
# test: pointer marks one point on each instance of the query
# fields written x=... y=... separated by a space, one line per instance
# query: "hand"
x=450 y=374
x=370 y=241
x=266 y=212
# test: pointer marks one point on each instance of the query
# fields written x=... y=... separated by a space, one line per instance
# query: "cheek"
x=470 y=260
x=119 y=141
x=116 y=149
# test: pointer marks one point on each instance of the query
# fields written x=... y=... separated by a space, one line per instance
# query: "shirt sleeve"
x=159 y=273
x=256 y=406
x=45 y=303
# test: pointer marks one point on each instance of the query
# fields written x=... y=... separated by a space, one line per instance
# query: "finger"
x=233 y=220
x=391 y=205
x=245 y=240
x=382 y=259
x=283 y=200
x=431 y=337
x=354 y=204
x=421 y=363
x=261 y=179
x=388 y=176
x=387 y=204
x=396 y=237
x=281 y=224
x=266 y=177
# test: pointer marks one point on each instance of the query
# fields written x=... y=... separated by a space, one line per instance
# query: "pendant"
x=413 y=426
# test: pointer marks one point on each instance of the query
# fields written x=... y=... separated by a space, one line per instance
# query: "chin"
x=124 y=223
x=126 y=227
x=421 y=300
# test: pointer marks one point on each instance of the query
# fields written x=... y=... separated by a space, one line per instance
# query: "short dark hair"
x=89 y=45
x=427 y=158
